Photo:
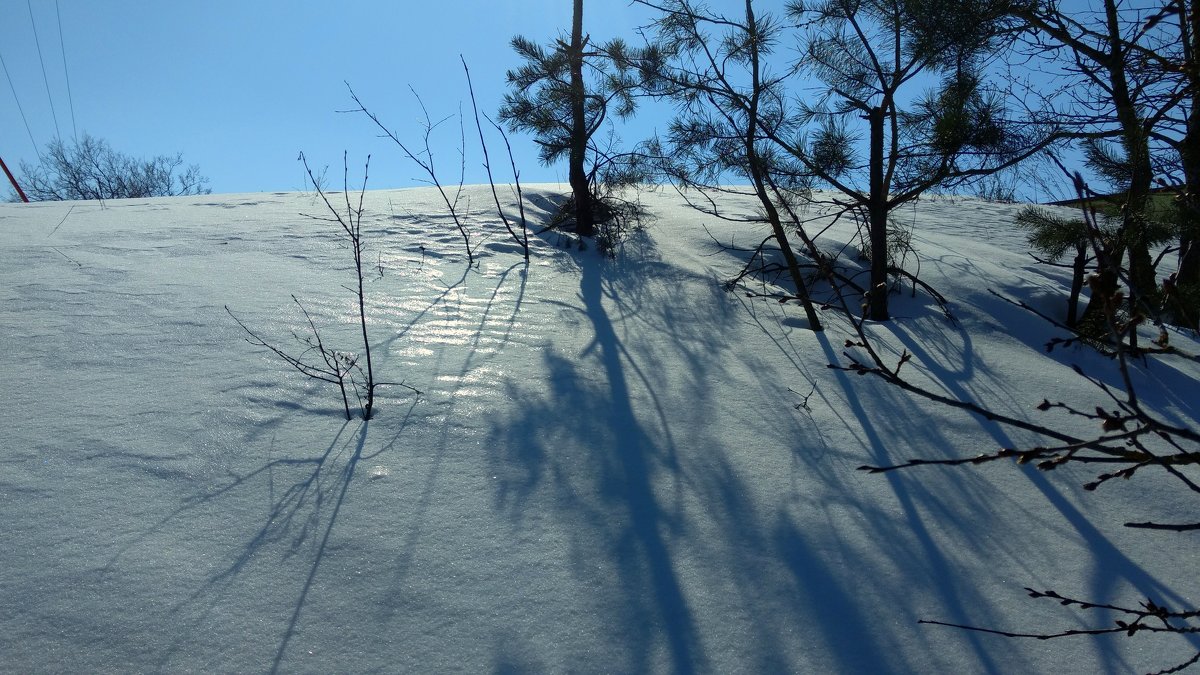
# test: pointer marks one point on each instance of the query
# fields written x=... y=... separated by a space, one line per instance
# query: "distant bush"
x=90 y=169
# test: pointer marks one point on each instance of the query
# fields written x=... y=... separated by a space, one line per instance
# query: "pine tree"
x=1133 y=81
x=714 y=69
x=870 y=54
x=1054 y=237
x=563 y=95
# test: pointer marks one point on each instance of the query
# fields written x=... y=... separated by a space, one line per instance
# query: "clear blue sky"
x=240 y=87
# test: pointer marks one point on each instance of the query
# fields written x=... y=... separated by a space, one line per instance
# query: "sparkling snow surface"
x=606 y=471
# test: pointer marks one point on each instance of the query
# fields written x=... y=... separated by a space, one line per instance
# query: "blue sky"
x=242 y=87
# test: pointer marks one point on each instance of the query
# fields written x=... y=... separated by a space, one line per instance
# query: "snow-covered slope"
x=606 y=471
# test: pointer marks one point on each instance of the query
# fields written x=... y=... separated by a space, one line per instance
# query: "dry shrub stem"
x=424 y=159
x=334 y=366
x=523 y=237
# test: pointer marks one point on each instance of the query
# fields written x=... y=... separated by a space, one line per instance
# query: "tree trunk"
x=757 y=171
x=1187 y=293
x=1143 y=287
x=1189 y=201
x=877 y=212
x=789 y=257
x=1078 y=272
x=580 y=189
x=1144 y=297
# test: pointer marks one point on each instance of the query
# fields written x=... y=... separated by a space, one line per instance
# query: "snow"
x=605 y=472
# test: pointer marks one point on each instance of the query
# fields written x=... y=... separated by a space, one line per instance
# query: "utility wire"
x=66 y=73
x=22 y=110
x=57 y=134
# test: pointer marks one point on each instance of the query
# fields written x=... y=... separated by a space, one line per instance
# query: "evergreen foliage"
x=1050 y=234
x=564 y=95
x=873 y=135
x=731 y=105
x=539 y=99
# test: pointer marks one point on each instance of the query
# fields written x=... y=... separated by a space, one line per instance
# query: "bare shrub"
x=349 y=371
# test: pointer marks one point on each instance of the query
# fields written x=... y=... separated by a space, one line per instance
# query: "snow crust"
x=606 y=471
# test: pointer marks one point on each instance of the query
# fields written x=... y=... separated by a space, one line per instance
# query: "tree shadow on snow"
x=937 y=516
x=951 y=366
x=699 y=567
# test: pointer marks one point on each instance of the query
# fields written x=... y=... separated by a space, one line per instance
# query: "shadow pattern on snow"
x=662 y=533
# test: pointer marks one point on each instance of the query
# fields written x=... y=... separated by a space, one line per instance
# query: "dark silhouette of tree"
x=1054 y=237
x=90 y=169
x=1129 y=89
x=714 y=67
x=1187 y=23
x=563 y=95
x=872 y=56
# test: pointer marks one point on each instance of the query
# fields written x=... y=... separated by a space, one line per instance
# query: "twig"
x=522 y=239
x=427 y=165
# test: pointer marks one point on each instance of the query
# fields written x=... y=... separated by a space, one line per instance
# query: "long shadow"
x=1160 y=382
x=345 y=476
x=457 y=379
x=1097 y=541
x=596 y=402
x=286 y=506
x=303 y=509
x=632 y=448
x=1115 y=561
x=845 y=613
x=615 y=498
x=939 y=564
x=420 y=316
x=1112 y=559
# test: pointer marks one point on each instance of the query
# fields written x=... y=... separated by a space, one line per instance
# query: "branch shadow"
x=911 y=496
x=1116 y=571
x=589 y=400
x=305 y=496
x=643 y=535
x=938 y=505
x=667 y=521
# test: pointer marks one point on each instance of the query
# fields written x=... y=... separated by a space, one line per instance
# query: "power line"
x=66 y=73
x=45 y=79
x=19 y=108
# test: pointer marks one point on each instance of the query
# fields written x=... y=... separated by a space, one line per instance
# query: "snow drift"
x=607 y=471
